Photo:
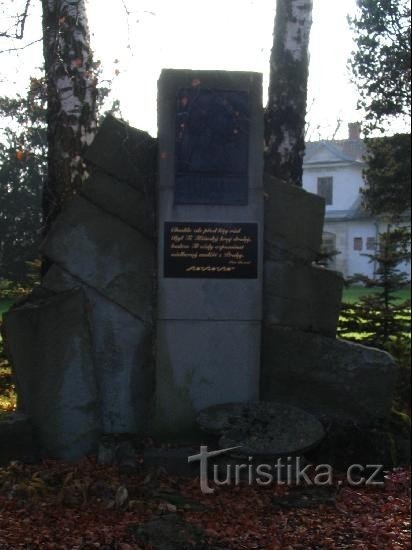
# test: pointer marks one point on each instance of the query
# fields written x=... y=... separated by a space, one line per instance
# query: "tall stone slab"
x=210 y=248
x=49 y=342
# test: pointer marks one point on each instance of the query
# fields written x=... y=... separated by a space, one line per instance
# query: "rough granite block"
x=123 y=355
x=327 y=377
x=123 y=201
x=301 y=296
x=49 y=344
x=293 y=222
x=104 y=253
x=126 y=153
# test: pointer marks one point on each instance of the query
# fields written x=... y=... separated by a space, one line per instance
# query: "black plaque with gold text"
x=211 y=250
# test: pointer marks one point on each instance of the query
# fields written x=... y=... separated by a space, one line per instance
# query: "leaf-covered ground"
x=59 y=505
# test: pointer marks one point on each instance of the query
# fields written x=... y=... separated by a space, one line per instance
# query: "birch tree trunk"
x=286 y=109
x=71 y=94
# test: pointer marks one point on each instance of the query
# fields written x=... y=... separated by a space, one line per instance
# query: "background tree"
x=23 y=167
x=378 y=319
x=71 y=89
x=381 y=63
x=387 y=175
x=381 y=67
x=23 y=152
x=286 y=107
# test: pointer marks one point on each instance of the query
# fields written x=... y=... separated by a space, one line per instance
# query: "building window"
x=370 y=243
x=325 y=189
x=357 y=243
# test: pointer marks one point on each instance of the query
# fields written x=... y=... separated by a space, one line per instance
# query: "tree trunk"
x=286 y=108
x=71 y=94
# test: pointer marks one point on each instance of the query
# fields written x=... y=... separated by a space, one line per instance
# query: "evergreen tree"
x=387 y=175
x=377 y=319
x=23 y=168
x=23 y=163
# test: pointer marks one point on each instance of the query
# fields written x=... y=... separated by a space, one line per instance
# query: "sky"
x=135 y=39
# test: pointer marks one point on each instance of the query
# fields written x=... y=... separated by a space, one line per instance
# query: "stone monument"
x=182 y=279
x=210 y=249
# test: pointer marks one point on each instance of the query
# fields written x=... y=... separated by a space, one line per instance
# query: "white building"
x=333 y=169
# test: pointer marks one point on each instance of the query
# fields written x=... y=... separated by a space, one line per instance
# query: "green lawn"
x=5 y=303
x=352 y=294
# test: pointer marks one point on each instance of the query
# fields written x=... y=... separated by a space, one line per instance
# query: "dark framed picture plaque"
x=212 y=146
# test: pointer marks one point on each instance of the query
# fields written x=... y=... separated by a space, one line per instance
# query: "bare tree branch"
x=22 y=20
x=22 y=47
x=19 y=24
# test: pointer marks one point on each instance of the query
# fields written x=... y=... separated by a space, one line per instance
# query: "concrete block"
x=201 y=363
x=233 y=299
x=210 y=299
x=326 y=377
x=293 y=222
x=50 y=347
x=302 y=296
x=126 y=153
x=104 y=253
x=208 y=329
x=123 y=201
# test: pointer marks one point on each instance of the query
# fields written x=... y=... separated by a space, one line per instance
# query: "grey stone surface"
x=326 y=377
x=125 y=153
x=201 y=363
x=262 y=428
x=122 y=350
x=203 y=298
x=50 y=346
x=122 y=200
x=302 y=296
x=210 y=299
x=104 y=253
x=293 y=222
x=59 y=280
x=294 y=432
x=212 y=212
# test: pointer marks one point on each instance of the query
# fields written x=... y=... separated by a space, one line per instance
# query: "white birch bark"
x=71 y=90
x=286 y=108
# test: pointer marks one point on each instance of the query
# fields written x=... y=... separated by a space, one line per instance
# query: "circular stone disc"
x=265 y=429
x=218 y=419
